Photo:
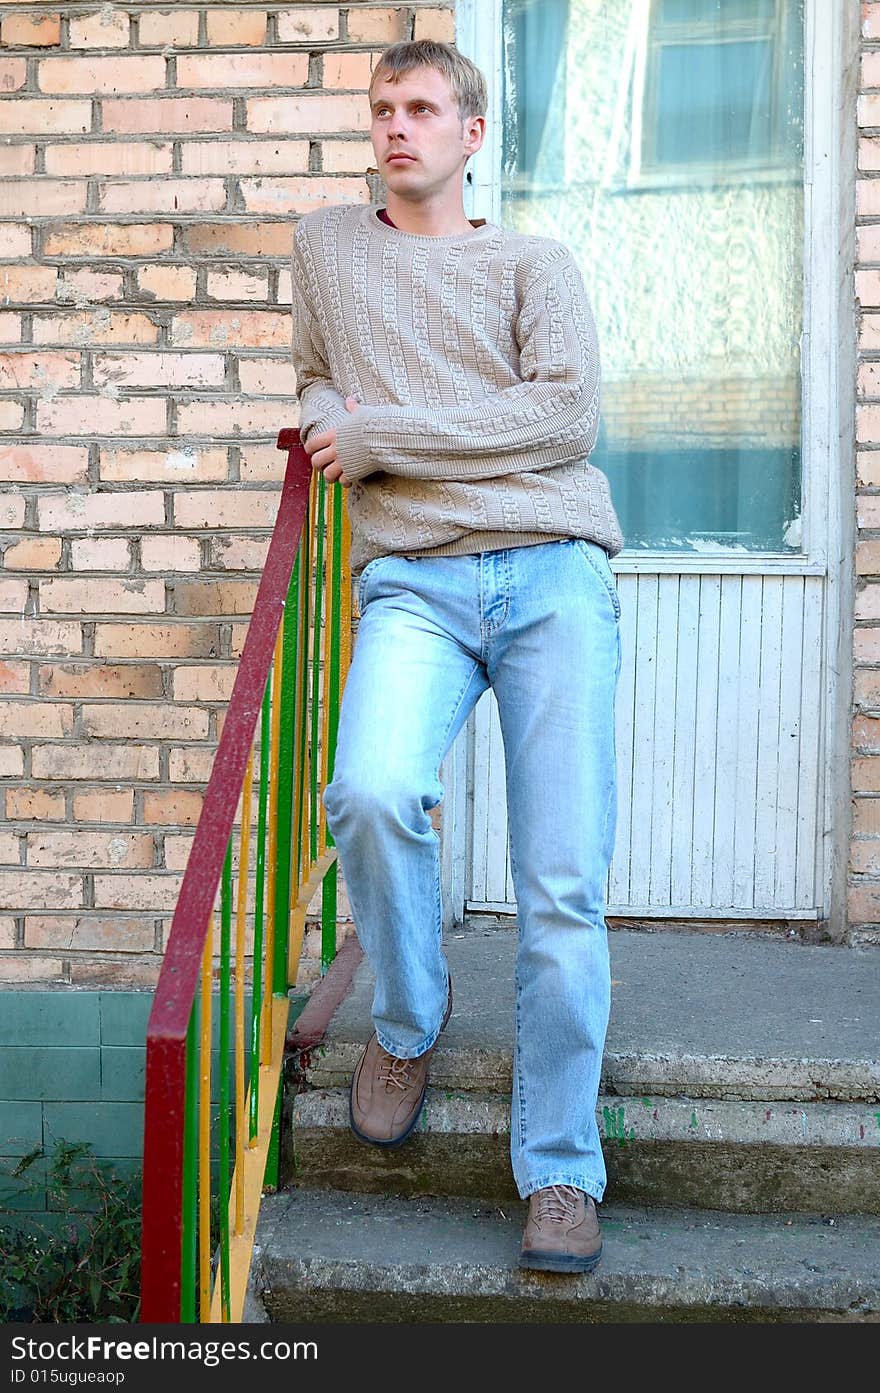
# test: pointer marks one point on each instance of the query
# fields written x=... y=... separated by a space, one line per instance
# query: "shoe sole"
x=404 y=1136
x=560 y=1262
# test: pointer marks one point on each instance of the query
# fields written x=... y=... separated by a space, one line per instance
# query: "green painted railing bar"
x=314 y=762
x=276 y=972
x=190 y=1173
x=225 y=987
x=259 y=911
x=306 y=551
x=328 y=918
x=334 y=638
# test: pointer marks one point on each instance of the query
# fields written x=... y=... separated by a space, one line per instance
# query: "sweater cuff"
x=352 y=450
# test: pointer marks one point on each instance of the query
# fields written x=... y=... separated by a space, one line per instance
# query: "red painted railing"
x=178 y=985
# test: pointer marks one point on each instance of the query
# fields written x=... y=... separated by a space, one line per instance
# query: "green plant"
x=89 y=1272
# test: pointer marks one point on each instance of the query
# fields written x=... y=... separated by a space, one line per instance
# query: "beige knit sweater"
x=476 y=362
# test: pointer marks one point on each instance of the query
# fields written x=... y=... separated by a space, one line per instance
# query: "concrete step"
x=739 y=1074
x=337 y=1256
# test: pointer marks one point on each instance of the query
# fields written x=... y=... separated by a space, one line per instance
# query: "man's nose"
x=396 y=126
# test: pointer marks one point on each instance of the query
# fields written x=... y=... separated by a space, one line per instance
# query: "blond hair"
x=466 y=82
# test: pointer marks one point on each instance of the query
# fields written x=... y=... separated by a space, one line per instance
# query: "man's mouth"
x=398 y=155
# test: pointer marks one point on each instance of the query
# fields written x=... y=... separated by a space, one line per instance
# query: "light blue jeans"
x=540 y=624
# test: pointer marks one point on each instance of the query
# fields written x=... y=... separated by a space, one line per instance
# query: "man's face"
x=419 y=139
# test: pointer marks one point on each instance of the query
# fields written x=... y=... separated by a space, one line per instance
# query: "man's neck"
x=428 y=220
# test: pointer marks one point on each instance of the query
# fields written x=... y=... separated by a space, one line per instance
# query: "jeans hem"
x=594 y=1188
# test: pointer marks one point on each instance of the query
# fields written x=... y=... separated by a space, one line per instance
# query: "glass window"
x=663 y=141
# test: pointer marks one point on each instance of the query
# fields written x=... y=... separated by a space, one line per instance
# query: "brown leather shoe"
x=387 y=1093
x=562 y=1231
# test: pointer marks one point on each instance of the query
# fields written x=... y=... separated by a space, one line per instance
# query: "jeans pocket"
x=598 y=559
x=365 y=574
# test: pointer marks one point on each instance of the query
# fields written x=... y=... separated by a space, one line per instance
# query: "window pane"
x=674 y=170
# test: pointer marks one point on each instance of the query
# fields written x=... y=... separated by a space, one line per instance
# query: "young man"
x=448 y=374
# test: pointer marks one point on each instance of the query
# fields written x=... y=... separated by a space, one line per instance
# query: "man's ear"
x=474 y=134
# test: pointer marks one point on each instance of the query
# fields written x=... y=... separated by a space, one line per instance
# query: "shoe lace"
x=396 y=1073
x=557 y=1203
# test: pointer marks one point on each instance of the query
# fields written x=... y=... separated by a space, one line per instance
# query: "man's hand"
x=322 y=450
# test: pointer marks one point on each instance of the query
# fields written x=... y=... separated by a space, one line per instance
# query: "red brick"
x=231 y=28
x=237 y=285
x=868 y=243
x=108 y=28
x=865 y=857
x=106 y=76
x=164 y=282
x=214 y=597
x=866 y=775
x=244 y=156
x=284 y=295
x=26 y=370
x=866 y=817
x=866 y=734
x=159 y=369
x=224 y=70
x=85 y=287
x=346 y=156
x=13 y=74
x=68 y=117
x=90 y=850
x=49 y=891
x=307 y=112
x=239 y=417
x=171 y=553
x=91 y=762
x=84 y=512
x=97 y=326
x=157 y=640
x=13 y=596
x=18 y=159
x=129 y=892
x=31 y=31
x=870 y=76
x=866 y=687
x=10 y=327
x=44 y=463
x=307 y=25
x=173 y=807
x=7 y=932
x=15 y=677
x=237 y=553
x=34 y=805
x=11 y=415
x=10 y=848
x=176 y=852
x=14 y=240
x=230 y=328
x=102 y=415
x=40 y=196
x=40 y=638
x=863 y=903
x=76 y=595
x=377 y=26
x=91 y=680
x=11 y=762
x=261 y=463
x=24 y=967
x=100 y=554
x=35 y=718
x=226 y=508
x=169 y=29
x=116 y=976
x=868 y=511
x=190 y=464
x=109 y=157
x=103 y=805
x=351 y=71
x=868 y=558
x=166 y=116
x=867 y=604
x=435 y=24
x=867 y=197
x=204 y=683
x=27 y=285
x=870 y=21
x=109 y=239
x=866 y=645
x=133 y=721
x=233 y=239
x=300 y=195
x=189 y=765
x=89 y=932
x=162 y=196
x=267 y=377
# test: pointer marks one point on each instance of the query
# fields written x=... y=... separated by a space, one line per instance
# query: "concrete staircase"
x=740 y=1113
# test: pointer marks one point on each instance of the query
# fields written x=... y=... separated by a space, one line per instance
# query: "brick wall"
x=152 y=161
x=863 y=899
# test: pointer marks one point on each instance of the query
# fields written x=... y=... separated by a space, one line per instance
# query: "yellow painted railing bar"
x=299 y=907
x=325 y=691
x=253 y=1166
x=345 y=601
x=241 y=914
x=272 y=858
x=205 y=1130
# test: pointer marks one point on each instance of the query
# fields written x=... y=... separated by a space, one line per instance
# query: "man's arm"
x=550 y=417
x=321 y=406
